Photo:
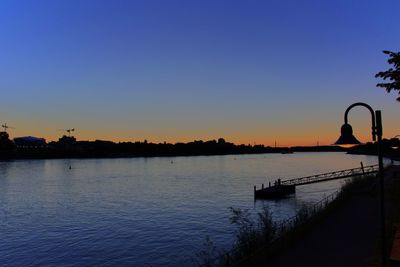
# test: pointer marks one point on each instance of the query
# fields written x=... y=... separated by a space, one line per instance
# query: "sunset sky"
x=247 y=71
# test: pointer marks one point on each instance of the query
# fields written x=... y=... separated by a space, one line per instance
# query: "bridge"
x=281 y=188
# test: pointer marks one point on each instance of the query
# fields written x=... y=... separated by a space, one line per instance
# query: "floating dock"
x=283 y=188
x=274 y=192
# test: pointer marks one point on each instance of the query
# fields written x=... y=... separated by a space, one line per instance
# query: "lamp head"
x=347 y=138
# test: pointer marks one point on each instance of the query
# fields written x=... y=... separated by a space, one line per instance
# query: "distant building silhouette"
x=65 y=143
x=67 y=140
x=30 y=142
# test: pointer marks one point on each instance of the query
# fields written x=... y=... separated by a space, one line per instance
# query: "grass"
x=249 y=236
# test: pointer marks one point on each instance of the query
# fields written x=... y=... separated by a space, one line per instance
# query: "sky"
x=252 y=72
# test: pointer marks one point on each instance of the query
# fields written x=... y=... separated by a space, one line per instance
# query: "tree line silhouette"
x=69 y=147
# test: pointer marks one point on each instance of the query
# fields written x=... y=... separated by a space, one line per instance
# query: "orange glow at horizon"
x=283 y=140
x=308 y=127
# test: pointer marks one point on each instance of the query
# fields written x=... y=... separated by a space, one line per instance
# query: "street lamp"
x=347 y=138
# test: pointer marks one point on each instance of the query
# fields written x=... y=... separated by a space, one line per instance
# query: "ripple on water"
x=142 y=212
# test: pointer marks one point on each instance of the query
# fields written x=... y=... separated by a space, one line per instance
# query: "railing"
x=332 y=175
x=290 y=223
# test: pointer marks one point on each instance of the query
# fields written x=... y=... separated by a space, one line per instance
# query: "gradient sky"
x=248 y=71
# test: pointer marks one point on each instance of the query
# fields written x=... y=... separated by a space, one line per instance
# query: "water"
x=142 y=211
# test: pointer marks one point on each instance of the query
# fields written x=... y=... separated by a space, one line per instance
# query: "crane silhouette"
x=68 y=131
x=5 y=126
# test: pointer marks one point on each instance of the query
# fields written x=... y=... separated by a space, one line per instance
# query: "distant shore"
x=68 y=147
x=54 y=154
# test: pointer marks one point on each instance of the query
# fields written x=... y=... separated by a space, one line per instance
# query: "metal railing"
x=301 y=216
x=332 y=175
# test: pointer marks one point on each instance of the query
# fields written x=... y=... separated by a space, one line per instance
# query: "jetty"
x=284 y=187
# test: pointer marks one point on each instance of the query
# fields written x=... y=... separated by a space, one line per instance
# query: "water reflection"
x=140 y=211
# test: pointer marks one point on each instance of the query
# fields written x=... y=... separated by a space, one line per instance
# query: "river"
x=143 y=211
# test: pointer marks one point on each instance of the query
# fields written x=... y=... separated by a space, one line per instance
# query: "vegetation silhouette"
x=390 y=148
x=5 y=143
x=393 y=74
x=69 y=147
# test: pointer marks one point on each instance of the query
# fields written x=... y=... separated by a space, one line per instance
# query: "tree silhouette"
x=392 y=74
x=5 y=142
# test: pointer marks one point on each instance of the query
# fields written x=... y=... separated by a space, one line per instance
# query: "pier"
x=281 y=188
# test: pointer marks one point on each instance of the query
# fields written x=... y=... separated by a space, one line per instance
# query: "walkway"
x=346 y=237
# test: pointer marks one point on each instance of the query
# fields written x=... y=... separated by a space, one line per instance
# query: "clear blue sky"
x=248 y=71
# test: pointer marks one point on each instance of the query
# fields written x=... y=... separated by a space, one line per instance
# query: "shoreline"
x=327 y=230
x=115 y=156
x=49 y=154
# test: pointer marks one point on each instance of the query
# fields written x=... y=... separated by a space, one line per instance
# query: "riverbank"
x=347 y=235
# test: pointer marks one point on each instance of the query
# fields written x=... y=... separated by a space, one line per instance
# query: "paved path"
x=347 y=237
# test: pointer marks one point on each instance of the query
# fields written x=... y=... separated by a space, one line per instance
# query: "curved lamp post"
x=347 y=138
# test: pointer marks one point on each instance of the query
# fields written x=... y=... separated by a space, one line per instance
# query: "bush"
x=247 y=235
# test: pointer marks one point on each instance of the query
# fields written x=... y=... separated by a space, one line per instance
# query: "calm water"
x=142 y=212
